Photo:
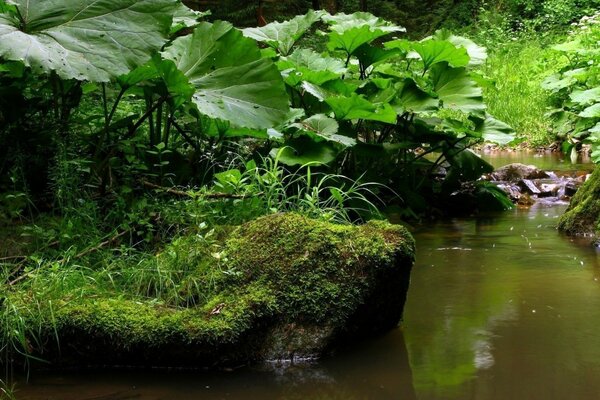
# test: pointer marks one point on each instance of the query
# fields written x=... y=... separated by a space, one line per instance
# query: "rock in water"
x=284 y=287
x=516 y=172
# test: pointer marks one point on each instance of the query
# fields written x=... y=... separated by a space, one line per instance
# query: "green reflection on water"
x=478 y=281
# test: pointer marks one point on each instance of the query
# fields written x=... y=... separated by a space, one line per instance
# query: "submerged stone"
x=286 y=287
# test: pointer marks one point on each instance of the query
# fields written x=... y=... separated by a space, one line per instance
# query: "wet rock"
x=527 y=186
x=516 y=172
x=549 y=190
x=512 y=190
x=570 y=188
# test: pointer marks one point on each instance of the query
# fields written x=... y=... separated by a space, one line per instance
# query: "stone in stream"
x=549 y=190
x=571 y=189
x=517 y=171
x=527 y=186
x=284 y=287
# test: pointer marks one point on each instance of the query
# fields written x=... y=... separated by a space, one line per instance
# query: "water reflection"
x=512 y=318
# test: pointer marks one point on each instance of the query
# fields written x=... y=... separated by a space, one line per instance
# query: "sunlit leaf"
x=493 y=130
x=350 y=31
x=357 y=107
x=283 y=35
x=586 y=96
x=326 y=128
x=85 y=39
x=232 y=81
x=436 y=51
x=457 y=90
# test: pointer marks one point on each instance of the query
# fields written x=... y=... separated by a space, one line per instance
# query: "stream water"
x=500 y=307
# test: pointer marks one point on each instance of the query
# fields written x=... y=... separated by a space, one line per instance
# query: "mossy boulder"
x=582 y=217
x=287 y=287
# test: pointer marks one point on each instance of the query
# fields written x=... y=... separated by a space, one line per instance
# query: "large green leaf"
x=232 y=81
x=435 y=51
x=92 y=40
x=592 y=111
x=164 y=75
x=477 y=54
x=586 y=96
x=282 y=35
x=184 y=17
x=493 y=130
x=306 y=65
x=411 y=98
x=350 y=31
x=457 y=90
x=324 y=127
x=357 y=107
x=304 y=150
x=369 y=55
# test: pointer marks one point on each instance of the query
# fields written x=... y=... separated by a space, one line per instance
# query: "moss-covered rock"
x=582 y=217
x=288 y=287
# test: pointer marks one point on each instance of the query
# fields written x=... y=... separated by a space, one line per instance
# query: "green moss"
x=320 y=271
x=272 y=273
x=583 y=214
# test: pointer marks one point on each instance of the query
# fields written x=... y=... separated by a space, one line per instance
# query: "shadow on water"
x=376 y=369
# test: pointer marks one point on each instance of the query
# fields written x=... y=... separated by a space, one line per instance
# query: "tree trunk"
x=363 y=5
x=330 y=5
x=260 y=17
x=316 y=5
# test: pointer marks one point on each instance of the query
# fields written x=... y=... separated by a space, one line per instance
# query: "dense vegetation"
x=179 y=125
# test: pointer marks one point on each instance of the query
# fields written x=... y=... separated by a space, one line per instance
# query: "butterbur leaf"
x=161 y=71
x=85 y=39
x=555 y=83
x=184 y=17
x=304 y=150
x=592 y=111
x=283 y=35
x=232 y=81
x=457 y=90
x=309 y=66
x=586 y=96
x=357 y=107
x=492 y=130
x=477 y=54
x=326 y=128
x=350 y=31
x=435 y=51
x=465 y=166
x=369 y=55
x=411 y=98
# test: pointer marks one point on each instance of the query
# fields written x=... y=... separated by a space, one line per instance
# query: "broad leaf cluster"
x=576 y=89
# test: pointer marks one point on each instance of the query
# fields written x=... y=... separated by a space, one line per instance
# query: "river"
x=500 y=307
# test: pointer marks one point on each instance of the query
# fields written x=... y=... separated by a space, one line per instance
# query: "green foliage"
x=283 y=35
x=208 y=288
x=400 y=98
x=518 y=69
x=576 y=88
x=122 y=33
